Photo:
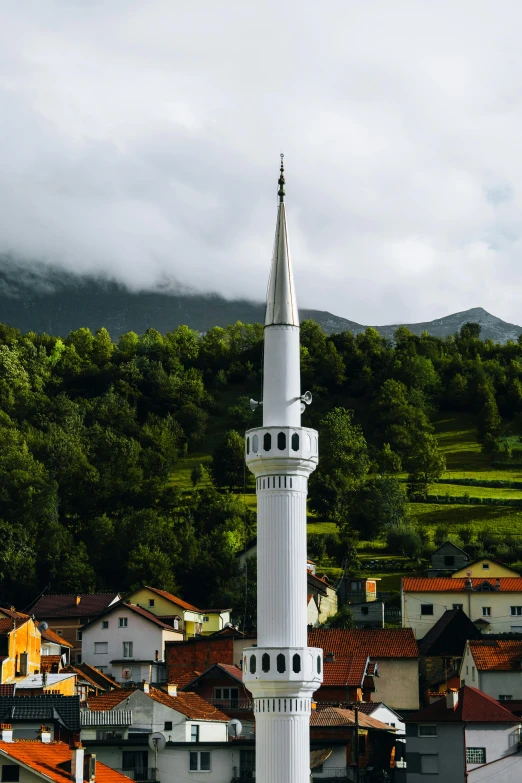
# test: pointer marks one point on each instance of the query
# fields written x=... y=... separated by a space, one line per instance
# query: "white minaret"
x=282 y=672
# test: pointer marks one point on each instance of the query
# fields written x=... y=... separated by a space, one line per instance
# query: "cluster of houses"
x=149 y=687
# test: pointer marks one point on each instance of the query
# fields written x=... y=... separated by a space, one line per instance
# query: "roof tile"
x=473 y=706
x=375 y=642
x=497 y=654
x=342 y=716
x=448 y=584
x=90 y=605
x=53 y=761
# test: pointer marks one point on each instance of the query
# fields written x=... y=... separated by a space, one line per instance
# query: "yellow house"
x=486 y=568
x=493 y=604
x=20 y=645
x=180 y=614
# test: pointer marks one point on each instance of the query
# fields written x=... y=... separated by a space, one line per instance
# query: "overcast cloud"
x=140 y=140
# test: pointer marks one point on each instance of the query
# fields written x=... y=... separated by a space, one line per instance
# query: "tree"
x=343 y=466
x=196 y=474
x=228 y=463
x=425 y=464
x=342 y=619
x=388 y=460
x=489 y=420
x=379 y=504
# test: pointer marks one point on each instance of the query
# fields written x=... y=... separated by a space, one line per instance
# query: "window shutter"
x=429 y=763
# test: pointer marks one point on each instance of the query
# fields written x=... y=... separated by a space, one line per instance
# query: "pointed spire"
x=281 y=305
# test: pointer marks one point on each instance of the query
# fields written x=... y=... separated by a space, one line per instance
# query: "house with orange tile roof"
x=127 y=642
x=178 y=613
x=494 y=666
x=20 y=645
x=393 y=651
x=494 y=604
x=463 y=737
x=28 y=761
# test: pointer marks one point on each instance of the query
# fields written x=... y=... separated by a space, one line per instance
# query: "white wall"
x=494 y=683
x=499 y=740
x=145 y=636
x=386 y=715
x=397 y=683
x=506 y=770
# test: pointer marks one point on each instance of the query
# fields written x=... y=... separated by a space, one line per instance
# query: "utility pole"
x=357 y=764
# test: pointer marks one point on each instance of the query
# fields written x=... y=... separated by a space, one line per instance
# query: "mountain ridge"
x=43 y=299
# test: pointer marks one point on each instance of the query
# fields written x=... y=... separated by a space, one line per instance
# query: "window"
x=296 y=663
x=267 y=441
x=486 y=611
x=485 y=566
x=127 y=649
x=194 y=733
x=428 y=730
x=122 y=622
x=505 y=697
x=265 y=662
x=255 y=444
x=362 y=745
x=364 y=610
x=295 y=442
x=206 y=619
x=458 y=606
x=475 y=755
x=105 y=623
x=101 y=648
x=199 y=761
x=449 y=560
x=253 y=664
x=135 y=759
x=10 y=773
x=152 y=601
x=473 y=673
x=168 y=725
x=227 y=695
x=426 y=608
x=429 y=764
x=248 y=445
x=355 y=586
x=281 y=441
x=59 y=632
x=516 y=610
x=105 y=734
x=101 y=668
x=281 y=663
x=78 y=636
x=78 y=658
x=318 y=664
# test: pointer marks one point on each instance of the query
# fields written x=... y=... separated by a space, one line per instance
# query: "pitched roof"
x=11 y=612
x=53 y=760
x=452 y=545
x=48 y=706
x=48 y=662
x=174 y=599
x=36 y=680
x=375 y=642
x=53 y=637
x=473 y=706
x=497 y=654
x=342 y=716
x=232 y=670
x=7 y=624
x=448 y=584
x=346 y=671
x=449 y=634
x=152 y=618
x=94 y=675
x=189 y=704
x=90 y=605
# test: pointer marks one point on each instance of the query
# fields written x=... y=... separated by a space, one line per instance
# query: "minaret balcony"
x=282 y=671
x=288 y=449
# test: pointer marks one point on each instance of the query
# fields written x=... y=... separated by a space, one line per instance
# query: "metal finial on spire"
x=281 y=182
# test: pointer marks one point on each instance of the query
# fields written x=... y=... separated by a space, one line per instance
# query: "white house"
x=463 y=737
x=128 y=643
x=493 y=604
x=494 y=666
x=189 y=724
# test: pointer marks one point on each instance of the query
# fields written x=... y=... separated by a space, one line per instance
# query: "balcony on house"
x=244 y=774
x=325 y=774
x=140 y=774
x=232 y=704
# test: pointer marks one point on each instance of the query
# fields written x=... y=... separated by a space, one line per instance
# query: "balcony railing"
x=140 y=774
x=332 y=772
x=232 y=704
x=243 y=774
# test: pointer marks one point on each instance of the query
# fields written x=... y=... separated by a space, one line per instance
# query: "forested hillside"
x=93 y=435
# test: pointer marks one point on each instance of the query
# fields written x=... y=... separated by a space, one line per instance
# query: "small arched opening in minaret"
x=265 y=662
x=281 y=663
x=248 y=445
x=295 y=442
x=245 y=664
x=255 y=444
x=281 y=441
x=296 y=663
x=252 y=664
x=318 y=664
x=267 y=441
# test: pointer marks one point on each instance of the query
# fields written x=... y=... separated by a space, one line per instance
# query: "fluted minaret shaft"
x=282 y=672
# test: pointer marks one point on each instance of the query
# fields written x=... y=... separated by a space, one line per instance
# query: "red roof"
x=231 y=669
x=53 y=637
x=53 y=760
x=447 y=584
x=65 y=605
x=189 y=704
x=473 y=706
x=47 y=662
x=497 y=654
x=8 y=624
x=342 y=716
x=375 y=642
x=346 y=671
x=174 y=599
x=153 y=618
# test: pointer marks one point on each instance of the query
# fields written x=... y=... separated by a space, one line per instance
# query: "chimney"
x=156 y=655
x=172 y=689
x=146 y=687
x=77 y=599
x=6 y=732
x=89 y=768
x=77 y=761
x=468 y=584
x=45 y=734
x=452 y=698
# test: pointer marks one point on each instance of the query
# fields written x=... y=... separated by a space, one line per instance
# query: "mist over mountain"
x=44 y=299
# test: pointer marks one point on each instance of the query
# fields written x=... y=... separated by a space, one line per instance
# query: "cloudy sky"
x=141 y=140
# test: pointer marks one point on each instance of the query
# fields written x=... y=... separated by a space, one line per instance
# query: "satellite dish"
x=43 y=626
x=126 y=674
x=234 y=728
x=157 y=741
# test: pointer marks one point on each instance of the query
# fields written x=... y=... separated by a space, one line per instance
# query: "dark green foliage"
x=343 y=619
x=377 y=505
x=228 y=462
